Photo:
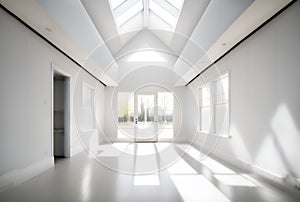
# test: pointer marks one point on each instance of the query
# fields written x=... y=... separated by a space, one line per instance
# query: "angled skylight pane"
x=176 y=3
x=116 y=3
x=162 y=13
x=131 y=12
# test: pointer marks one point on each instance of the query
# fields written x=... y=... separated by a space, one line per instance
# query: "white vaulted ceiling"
x=99 y=36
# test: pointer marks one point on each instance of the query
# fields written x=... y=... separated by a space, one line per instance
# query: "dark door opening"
x=60 y=115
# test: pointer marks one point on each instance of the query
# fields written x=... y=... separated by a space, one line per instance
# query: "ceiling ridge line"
x=48 y=41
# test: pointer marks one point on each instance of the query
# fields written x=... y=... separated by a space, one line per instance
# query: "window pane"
x=176 y=3
x=205 y=97
x=222 y=90
x=116 y=3
x=162 y=13
x=145 y=109
x=131 y=12
x=125 y=108
x=205 y=119
x=165 y=104
x=222 y=119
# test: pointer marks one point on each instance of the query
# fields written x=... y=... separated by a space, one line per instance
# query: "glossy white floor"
x=171 y=177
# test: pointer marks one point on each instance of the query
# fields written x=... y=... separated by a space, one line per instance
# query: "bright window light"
x=131 y=12
x=234 y=180
x=176 y=3
x=165 y=132
x=145 y=149
x=146 y=56
x=215 y=166
x=197 y=188
x=162 y=13
x=122 y=134
x=129 y=149
x=181 y=167
x=120 y=146
x=160 y=146
x=146 y=180
x=145 y=159
x=167 y=10
x=193 y=151
x=86 y=183
x=116 y=3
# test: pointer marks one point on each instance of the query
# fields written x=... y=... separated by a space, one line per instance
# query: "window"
x=125 y=108
x=87 y=95
x=116 y=3
x=125 y=115
x=163 y=13
x=205 y=109
x=129 y=13
x=214 y=107
x=165 y=112
x=168 y=11
x=222 y=106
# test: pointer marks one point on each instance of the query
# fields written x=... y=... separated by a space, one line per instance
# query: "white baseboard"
x=285 y=183
x=19 y=176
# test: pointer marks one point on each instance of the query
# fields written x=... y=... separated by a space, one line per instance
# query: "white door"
x=145 y=109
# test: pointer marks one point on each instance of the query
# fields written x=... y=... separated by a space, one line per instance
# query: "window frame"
x=214 y=103
x=200 y=89
x=88 y=94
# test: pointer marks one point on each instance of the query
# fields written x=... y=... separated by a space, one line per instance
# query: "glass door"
x=145 y=107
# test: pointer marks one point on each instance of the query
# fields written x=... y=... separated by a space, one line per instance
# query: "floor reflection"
x=188 y=177
x=197 y=188
x=146 y=180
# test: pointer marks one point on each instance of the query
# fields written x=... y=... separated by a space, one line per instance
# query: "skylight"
x=166 y=10
x=116 y=3
x=131 y=12
x=162 y=13
x=176 y=3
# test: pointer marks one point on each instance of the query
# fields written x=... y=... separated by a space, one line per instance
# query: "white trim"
x=68 y=110
x=18 y=176
x=261 y=173
x=273 y=178
x=124 y=7
x=212 y=89
x=146 y=13
x=168 y=7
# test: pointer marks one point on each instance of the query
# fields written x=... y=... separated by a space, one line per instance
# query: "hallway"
x=190 y=178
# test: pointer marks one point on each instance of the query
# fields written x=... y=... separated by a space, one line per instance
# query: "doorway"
x=145 y=109
x=145 y=116
x=61 y=115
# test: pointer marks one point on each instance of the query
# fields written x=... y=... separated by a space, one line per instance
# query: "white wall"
x=26 y=63
x=265 y=101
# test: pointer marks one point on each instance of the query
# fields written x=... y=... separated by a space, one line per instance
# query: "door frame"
x=67 y=110
x=155 y=121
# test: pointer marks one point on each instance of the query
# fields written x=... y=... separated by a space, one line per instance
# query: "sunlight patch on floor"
x=145 y=149
x=234 y=180
x=160 y=146
x=197 y=188
x=146 y=180
x=181 y=167
x=213 y=165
